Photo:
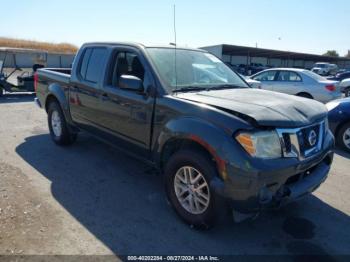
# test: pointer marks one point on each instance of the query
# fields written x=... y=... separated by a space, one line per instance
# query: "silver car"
x=299 y=82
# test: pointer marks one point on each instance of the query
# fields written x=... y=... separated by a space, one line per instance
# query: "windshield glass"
x=194 y=69
x=320 y=65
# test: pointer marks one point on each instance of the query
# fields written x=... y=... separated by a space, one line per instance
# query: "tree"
x=331 y=53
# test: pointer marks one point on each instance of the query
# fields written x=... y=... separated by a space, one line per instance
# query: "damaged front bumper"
x=273 y=183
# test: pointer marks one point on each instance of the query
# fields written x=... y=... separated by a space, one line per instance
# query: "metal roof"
x=270 y=53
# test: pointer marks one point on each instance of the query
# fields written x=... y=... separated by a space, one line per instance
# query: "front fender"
x=217 y=141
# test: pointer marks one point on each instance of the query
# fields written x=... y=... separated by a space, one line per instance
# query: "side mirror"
x=131 y=83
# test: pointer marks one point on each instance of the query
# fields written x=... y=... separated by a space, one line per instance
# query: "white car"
x=325 y=69
x=253 y=83
x=345 y=87
x=299 y=82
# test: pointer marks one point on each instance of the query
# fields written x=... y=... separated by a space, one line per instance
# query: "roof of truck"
x=140 y=45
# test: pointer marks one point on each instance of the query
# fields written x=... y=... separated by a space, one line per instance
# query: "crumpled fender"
x=217 y=141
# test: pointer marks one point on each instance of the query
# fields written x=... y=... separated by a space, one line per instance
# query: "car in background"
x=340 y=76
x=345 y=86
x=344 y=79
x=339 y=121
x=252 y=83
x=325 y=69
x=299 y=82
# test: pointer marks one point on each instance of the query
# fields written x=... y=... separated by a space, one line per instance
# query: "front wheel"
x=343 y=137
x=188 y=174
x=347 y=91
x=58 y=127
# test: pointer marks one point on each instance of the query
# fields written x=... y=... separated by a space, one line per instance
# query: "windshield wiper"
x=189 y=89
x=227 y=86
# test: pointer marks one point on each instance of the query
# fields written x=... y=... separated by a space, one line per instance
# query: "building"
x=237 y=55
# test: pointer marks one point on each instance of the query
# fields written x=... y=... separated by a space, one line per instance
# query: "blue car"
x=339 y=121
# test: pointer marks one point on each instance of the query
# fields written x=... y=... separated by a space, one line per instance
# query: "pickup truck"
x=213 y=138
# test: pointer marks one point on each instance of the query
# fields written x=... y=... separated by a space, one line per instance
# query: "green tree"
x=331 y=53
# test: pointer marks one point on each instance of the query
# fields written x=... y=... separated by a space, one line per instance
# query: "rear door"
x=288 y=82
x=267 y=79
x=86 y=90
x=127 y=114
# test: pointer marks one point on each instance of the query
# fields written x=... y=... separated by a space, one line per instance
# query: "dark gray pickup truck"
x=212 y=136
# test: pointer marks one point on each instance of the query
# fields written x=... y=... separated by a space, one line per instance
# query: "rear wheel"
x=343 y=137
x=188 y=174
x=305 y=95
x=1 y=91
x=58 y=127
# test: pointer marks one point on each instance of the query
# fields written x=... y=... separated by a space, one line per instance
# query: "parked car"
x=340 y=76
x=208 y=139
x=299 y=82
x=339 y=121
x=345 y=86
x=252 y=83
x=325 y=69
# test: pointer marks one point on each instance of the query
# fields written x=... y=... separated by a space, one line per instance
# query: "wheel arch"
x=56 y=93
x=194 y=134
x=304 y=94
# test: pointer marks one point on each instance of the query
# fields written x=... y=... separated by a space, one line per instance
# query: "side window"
x=85 y=62
x=97 y=61
x=126 y=63
x=265 y=76
x=288 y=76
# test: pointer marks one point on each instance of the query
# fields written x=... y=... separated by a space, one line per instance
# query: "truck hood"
x=262 y=107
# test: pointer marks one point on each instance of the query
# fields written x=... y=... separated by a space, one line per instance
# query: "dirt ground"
x=91 y=199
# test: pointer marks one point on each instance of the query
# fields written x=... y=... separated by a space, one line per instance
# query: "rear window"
x=85 y=62
x=97 y=61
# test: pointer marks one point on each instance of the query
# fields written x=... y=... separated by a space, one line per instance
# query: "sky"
x=310 y=26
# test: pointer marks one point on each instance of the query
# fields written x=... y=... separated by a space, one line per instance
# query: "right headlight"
x=261 y=144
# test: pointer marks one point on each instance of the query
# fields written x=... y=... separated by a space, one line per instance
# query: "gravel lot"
x=92 y=199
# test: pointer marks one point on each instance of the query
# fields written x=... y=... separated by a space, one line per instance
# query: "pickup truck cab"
x=183 y=110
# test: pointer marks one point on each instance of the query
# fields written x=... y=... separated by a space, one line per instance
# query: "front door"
x=267 y=79
x=127 y=114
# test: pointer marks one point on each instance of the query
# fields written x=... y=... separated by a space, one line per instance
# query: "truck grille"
x=302 y=142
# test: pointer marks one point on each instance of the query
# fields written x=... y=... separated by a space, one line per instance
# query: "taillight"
x=330 y=88
x=36 y=79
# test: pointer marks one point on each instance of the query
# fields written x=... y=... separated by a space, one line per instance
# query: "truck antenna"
x=175 y=44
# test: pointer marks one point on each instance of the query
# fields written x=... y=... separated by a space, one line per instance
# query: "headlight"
x=331 y=105
x=263 y=144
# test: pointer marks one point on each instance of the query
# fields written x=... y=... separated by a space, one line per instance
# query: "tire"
x=305 y=95
x=203 y=217
x=347 y=91
x=343 y=137
x=1 y=91
x=58 y=127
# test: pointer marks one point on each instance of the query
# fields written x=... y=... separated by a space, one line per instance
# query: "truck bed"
x=61 y=75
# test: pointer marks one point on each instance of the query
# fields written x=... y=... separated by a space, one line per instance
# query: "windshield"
x=320 y=65
x=194 y=70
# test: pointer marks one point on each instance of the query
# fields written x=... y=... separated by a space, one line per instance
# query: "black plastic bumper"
x=277 y=188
